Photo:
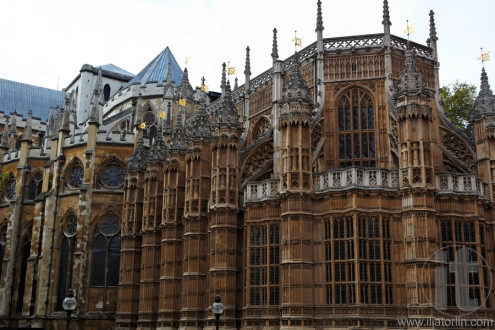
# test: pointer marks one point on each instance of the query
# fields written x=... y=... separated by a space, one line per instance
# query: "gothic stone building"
x=315 y=195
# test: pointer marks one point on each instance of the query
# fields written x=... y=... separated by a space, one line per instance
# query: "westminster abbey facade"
x=331 y=191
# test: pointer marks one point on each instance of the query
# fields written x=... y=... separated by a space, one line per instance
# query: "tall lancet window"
x=356 y=127
x=66 y=264
x=3 y=240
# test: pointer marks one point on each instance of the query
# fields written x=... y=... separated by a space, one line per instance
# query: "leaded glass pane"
x=347 y=119
x=62 y=272
x=341 y=119
x=109 y=226
x=357 y=152
x=10 y=192
x=371 y=119
x=99 y=260
x=341 y=146
x=365 y=145
x=113 y=262
x=70 y=228
x=348 y=146
x=113 y=176
x=355 y=118
x=372 y=145
x=76 y=177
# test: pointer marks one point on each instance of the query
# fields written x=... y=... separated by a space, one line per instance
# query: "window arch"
x=3 y=241
x=106 y=92
x=10 y=187
x=67 y=249
x=25 y=253
x=106 y=252
x=112 y=175
x=35 y=186
x=74 y=175
x=356 y=126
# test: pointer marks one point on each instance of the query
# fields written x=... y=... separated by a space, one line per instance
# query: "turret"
x=482 y=117
x=224 y=207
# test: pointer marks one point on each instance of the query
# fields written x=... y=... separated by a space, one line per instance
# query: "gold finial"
x=143 y=125
x=230 y=69
x=182 y=102
x=297 y=41
x=187 y=60
x=161 y=114
x=409 y=29
x=204 y=88
x=484 y=57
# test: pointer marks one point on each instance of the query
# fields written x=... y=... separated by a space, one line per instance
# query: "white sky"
x=48 y=41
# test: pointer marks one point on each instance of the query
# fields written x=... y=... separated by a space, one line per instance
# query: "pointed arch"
x=105 y=247
x=260 y=127
x=356 y=127
x=26 y=236
x=66 y=247
x=110 y=173
x=34 y=184
x=73 y=174
x=9 y=189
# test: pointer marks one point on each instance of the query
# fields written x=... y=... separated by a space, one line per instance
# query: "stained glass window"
x=76 y=176
x=10 y=192
x=113 y=176
x=67 y=249
x=356 y=129
x=35 y=186
x=106 y=253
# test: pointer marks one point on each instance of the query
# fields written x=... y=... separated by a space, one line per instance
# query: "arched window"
x=113 y=175
x=67 y=248
x=10 y=187
x=26 y=251
x=35 y=186
x=75 y=176
x=106 y=252
x=356 y=124
x=106 y=92
x=3 y=240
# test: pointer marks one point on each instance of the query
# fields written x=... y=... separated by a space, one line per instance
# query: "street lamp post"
x=217 y=309
x=69 y=304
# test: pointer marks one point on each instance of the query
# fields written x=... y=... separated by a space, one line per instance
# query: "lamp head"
x=70 y=302
x=217 y=307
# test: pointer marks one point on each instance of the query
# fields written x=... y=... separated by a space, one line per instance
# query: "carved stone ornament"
x=138 y=159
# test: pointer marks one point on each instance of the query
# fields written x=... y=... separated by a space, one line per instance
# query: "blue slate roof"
x=156 y=71
x=16 y=96
x=115 y=69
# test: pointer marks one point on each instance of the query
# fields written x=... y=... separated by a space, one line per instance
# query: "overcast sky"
x=45 y=43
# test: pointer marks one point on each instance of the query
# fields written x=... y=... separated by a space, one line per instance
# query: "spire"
x=199 y=125
x=57 y=119
x=319 y=18
x=139 y=157
x=274 y=46
x=169 y=73
x=27 y=135
x=247 y=67
x=64 y=125
x=386 y=25
x=485 y=101
x=296 y=88
x=50 y=123
x=178 y=140
x=168 y=119
x=94 y=117
x=236 y=85
x=158 y=150
x=185 y=87
x=5 y=134
x=433 y=30
x=410 y=80
x=386 y=14
x=222 y=86
x=13 y=126
x=227 y=113
x=139 y=110
x=99 y=81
